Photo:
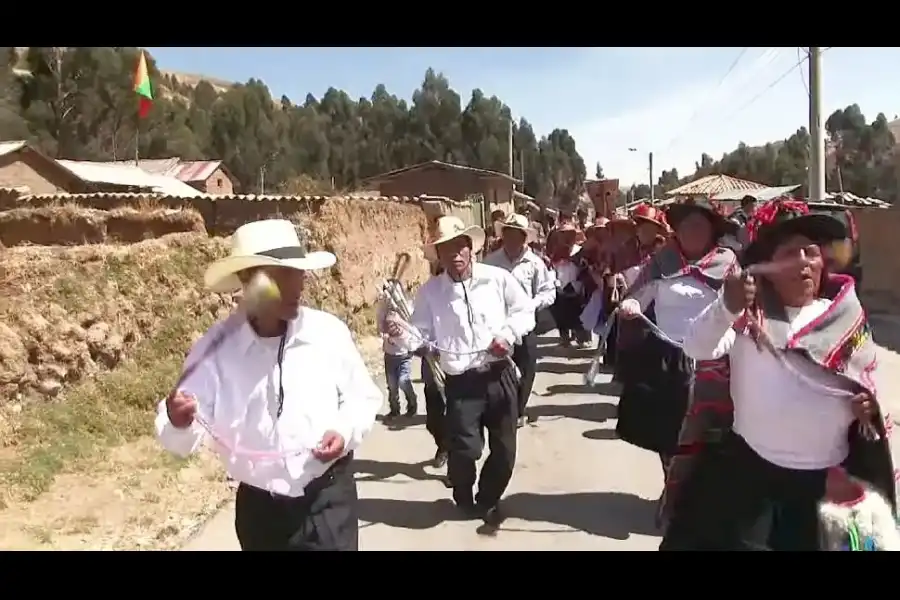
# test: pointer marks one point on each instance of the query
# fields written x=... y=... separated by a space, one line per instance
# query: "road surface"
x=575 y=487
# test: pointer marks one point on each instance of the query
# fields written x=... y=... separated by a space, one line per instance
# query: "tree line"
x=78 y=103
x=861 y=157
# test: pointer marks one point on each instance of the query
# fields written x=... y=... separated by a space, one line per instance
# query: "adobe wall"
x=879 y=235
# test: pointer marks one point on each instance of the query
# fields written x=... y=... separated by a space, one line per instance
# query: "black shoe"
x=522 y=422
x=411 y=411
x=493 y=519
x=440 y=459
x=391 y=415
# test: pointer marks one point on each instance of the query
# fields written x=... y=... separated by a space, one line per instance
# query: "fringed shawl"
x=839 y=340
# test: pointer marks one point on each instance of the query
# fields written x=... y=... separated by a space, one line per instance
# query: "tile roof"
x=119 y=196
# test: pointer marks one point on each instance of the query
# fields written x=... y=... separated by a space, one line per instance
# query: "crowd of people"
x=744 y=357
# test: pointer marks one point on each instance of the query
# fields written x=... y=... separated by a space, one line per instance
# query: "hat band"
x=285 y=253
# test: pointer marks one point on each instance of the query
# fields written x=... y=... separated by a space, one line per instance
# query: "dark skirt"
x=567 y=311
x=656 y=379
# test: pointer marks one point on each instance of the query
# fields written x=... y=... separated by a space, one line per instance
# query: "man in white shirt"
x=284 y=393
x=473 y=314
x=530 y=271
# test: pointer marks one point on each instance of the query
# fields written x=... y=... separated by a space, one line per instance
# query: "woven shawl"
x=840 y=340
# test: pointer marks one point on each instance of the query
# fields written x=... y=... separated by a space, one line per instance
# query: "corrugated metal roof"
x=128 y=175
x=195 y=170
x=848 y=199
x=110 y=197
x=714 y=184
x=10 y=147
x=762 y=194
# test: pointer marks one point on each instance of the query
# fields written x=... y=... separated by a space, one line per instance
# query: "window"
x=219 y=181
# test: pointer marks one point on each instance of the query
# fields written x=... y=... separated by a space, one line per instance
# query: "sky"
x=674 y=102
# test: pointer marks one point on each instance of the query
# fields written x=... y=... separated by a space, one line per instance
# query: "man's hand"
x=392 y=327
x=739 y=292
x=330 y=448
x=499 y=348
x=181 y=408
x=629 y=308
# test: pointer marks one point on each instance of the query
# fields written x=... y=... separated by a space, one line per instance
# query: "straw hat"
x=519 y=222
x=650 y=214
x=268 y=243
x=448 y=228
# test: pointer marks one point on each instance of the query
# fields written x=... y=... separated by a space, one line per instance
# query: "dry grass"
x=77 y=467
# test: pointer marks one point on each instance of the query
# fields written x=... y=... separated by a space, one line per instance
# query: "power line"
x=773 y=84
x=701 y=107
x=802 y=78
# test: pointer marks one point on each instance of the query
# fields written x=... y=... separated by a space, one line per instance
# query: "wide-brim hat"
x=520 y=223
x=268 y=243
x=780 y=219
x=650 y=214
x=721 y=226
x=448 y=228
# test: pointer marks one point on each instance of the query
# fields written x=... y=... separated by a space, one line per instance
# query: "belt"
x=316 y=485
x=491 y=367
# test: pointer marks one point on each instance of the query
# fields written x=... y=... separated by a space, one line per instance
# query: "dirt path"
x=575 y=487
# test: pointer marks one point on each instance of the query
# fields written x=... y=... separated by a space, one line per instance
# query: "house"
x=458 y=182
x=207 y=176
x=117 y=177
x=21 y=165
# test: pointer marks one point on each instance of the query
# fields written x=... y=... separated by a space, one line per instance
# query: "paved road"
x=575 y=486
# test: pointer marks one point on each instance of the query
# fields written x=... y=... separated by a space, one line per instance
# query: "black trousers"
x=525 y=357
x=479 y=401
x=325 y=518
x=435 y=408
x=731 y=498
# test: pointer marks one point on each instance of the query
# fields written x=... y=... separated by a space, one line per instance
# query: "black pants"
x=566 y=312
x=525 y=357
x=477 y=401
x=435 y=408
x=731 y=497
x=325 y=518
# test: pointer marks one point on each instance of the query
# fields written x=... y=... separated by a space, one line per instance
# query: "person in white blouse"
x=473 y=314
x=530 y=271
x=286 y=394
x=800 y=385
x=678 y=282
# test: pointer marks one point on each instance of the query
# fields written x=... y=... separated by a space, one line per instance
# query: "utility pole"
x=817 y=137
x=511 y=147
x=651 y=179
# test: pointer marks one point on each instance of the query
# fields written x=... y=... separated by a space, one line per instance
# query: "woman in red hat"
x=573 y=283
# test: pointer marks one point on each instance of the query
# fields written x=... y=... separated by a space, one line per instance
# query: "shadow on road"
x=558 y=352
x=594 y=412
x=886 y=331
x=604 y=389
x=373 y=470
x=407 y=514
x=402 y=422
x=609 y=514
x=601 y=434
x=561 y=368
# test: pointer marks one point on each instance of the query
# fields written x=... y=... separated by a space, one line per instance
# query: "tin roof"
x=195 y=170
x=128 y=175
x=10 y=147
x=848 y=199
x=762 y=194
x=714 y=184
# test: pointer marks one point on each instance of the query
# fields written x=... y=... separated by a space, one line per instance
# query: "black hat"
x=721 y=226
x=781 y=218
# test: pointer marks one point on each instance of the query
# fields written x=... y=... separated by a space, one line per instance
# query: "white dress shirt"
x=326 y=387
x=783 y=418
x=531 y=272
x=465 y=316
x=675 y=302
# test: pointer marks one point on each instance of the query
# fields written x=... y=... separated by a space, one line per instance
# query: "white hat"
x=268 y=243
x=449 y=228
x=520 y=222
